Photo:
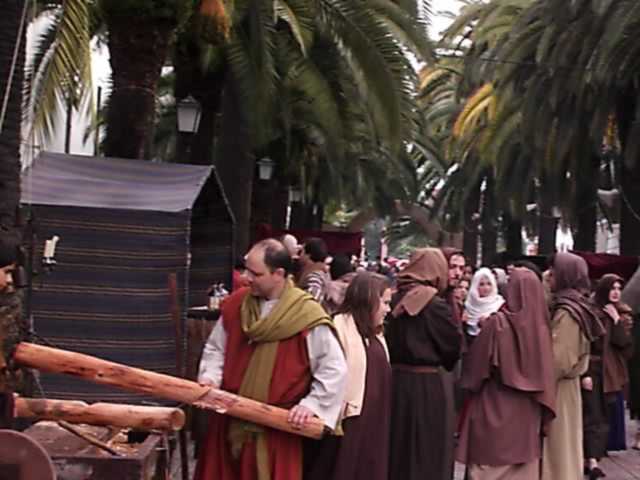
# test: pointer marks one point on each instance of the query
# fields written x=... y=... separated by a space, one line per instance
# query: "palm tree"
x=138 y=34
x=533 y=68
x=264 y=56
x=324 y=83
x=618 y=79
x=525 y=115
x=139 y=37
x=480 y=138
x=59 y=71
x=574 y=64
x=12 y=51
x=12 y=55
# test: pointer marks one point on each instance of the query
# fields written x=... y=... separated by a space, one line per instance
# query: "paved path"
x=618 y=466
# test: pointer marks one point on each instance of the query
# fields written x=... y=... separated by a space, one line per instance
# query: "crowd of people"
x=515 y=373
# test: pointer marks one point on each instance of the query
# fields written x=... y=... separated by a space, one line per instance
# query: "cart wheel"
x=22 y=458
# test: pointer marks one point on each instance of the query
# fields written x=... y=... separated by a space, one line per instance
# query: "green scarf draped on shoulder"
x=295 y=312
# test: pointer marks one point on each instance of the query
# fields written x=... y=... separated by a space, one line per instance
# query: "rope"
x=14 y=61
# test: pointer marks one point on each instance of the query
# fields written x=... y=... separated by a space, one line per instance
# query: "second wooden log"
x=103 y=414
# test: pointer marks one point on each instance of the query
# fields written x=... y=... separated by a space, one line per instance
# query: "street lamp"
x=265 y=168
x=188 y=115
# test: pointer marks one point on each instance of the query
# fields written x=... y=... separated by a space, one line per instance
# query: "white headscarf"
x=478 y=307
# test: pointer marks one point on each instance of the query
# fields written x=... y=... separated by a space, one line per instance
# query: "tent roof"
x=99 y=182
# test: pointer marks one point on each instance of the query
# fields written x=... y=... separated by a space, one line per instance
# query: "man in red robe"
x=275 y=344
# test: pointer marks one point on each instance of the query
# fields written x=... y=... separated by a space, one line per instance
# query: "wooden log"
x=103 y=414
x=133 y=379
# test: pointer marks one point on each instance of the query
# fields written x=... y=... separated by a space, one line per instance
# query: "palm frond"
x=60 y=70
x=386 y=74
x=250 y=53
x=299 y=16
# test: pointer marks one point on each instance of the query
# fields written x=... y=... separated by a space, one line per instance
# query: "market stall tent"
x=125 y=227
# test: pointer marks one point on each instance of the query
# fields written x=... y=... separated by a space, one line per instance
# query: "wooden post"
x=103 y=414
x=90 y=368
x=174 y=310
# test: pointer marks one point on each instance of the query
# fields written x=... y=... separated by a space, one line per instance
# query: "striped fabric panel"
x=107 y=295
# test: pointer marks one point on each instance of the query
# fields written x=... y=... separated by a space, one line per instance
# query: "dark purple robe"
x=362 y=453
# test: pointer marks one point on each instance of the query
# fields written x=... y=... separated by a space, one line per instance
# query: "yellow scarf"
x=295 y=312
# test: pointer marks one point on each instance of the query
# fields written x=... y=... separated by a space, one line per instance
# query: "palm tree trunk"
x=236 y=164
x=547 y=223
x=280 y=205
x=262 y=201
x=488 y=219
x=629 y=179
x=513 y=235
x=299 y=213
x=630 y=211
x=586 y=208
x=138 y=47
x=10 y=304
x=10 y=136
x=470 y=236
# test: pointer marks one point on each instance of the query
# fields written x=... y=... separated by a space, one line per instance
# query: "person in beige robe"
x=574 y=324
x=562 y=455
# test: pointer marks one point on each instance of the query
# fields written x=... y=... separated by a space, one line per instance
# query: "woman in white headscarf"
x=483 y=300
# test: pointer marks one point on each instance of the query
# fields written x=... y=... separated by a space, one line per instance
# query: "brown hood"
x=423 y=278
x=572 y=287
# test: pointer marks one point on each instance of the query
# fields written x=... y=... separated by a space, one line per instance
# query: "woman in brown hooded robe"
x=617 y=346
x=423 y=341
x=607 y=373
x=509 y=372
x=574 y=325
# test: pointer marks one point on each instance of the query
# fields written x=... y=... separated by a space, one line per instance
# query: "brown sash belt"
x=415 y=368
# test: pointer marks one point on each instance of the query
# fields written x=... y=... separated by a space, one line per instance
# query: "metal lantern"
x=188 y=115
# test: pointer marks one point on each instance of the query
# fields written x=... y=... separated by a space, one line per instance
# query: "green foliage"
x=329 y=85
x=539 y=81
x=59 y=72
x=331 y=92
